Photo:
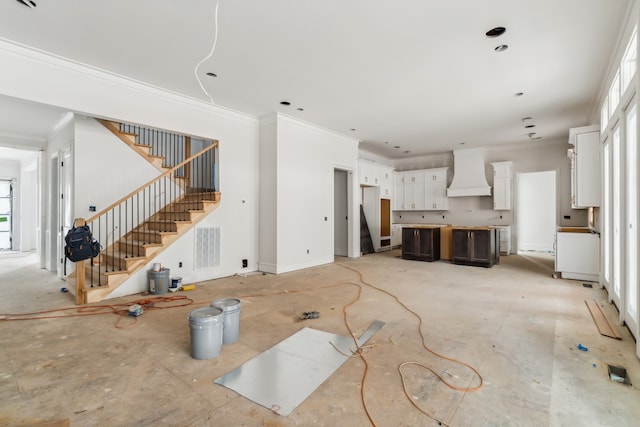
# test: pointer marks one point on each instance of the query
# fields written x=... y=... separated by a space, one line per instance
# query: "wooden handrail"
x=139 y=189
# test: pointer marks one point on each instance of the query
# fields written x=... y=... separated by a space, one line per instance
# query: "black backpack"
x=80 y=244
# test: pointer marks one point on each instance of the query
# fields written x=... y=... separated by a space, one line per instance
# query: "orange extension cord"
x=402 y=365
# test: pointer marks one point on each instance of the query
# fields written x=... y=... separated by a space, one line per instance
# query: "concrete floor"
x=514 y=323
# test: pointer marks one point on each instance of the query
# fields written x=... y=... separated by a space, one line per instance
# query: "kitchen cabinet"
x=476 y=246
x=421 y=190
x=504 y=236
x=413 y=191
x=396 y=235
x=398 y=191
x=585 y=167
x=435 y=186
x=421 y=243
x=578 y=255
x=502 y=185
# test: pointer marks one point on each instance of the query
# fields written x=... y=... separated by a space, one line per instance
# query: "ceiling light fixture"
x=524 y=119
x=518 y=94
x=285 y=103
x=501 y=48
x=537 y=137
x=495 y=32
x=531 y=134
x=396 y=146
x=352 y=129
x=211 y=74
x=406 y=151
x=529 y=126
x=300 y=109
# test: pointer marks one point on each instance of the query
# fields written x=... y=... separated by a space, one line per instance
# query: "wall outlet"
x=245 y=263
x=92 y=208
x=307 y=250
x=180 y=264
x=567 y=217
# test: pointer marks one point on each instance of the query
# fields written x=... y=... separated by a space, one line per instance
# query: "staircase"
x=138 y=227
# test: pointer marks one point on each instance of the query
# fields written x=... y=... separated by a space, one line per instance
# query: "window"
x=604 y=115
x=629 y=61
x=614 y=94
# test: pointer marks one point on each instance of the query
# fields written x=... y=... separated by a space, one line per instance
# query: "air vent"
x=207 y=247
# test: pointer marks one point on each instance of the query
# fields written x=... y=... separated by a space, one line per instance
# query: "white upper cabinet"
x=414 y=191
x=435 y=187
x=421 y=190
x=585 y=167
x=502 y=185
x=376 y=175
x=398 y=191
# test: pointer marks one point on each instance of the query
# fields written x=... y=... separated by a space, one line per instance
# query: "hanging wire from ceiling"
x=213 y=48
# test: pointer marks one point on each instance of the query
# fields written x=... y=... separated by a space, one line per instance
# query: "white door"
x=66 y=205
x=536 y=211
x=607 y=224
x=53 y=225
x=340 y=213
x=616 y=216
x=631 y=276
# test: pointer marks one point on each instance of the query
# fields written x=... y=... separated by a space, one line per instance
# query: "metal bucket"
x=158 y=281
x=206 y=332
x=232 y=309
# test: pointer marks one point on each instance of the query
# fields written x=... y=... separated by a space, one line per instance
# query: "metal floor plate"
x=285 y=375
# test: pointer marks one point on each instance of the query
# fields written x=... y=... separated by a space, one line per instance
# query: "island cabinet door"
x=409 y=243
x=460 y=251
x=482 y=244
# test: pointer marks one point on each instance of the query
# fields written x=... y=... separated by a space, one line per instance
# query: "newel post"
x=80 y=271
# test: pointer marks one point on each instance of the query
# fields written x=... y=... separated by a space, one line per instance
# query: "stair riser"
x=161 y=226
x=118 y=263
x=151 y=237
x=188 y=206
x=133 y=249
x=173 y=216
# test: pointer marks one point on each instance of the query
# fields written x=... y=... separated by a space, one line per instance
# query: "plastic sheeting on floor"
x=285 y=375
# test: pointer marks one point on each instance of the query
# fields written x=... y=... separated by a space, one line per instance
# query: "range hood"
x=468 y=174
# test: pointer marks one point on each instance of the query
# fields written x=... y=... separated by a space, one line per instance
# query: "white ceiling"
x=419 y=74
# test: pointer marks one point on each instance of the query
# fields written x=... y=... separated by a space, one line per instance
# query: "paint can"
x=206 y=332
x=159 y=281
x=232 y=309
x=176 y=282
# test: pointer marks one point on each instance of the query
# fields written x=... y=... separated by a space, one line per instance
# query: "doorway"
x=340 y=212
x=536 y=211
x=54 y=208
x=6 y=215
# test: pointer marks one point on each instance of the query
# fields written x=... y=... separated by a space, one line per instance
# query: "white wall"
x=29 y=205
x=306 y=156
x=41 y=78
x=268 y=254
x=105 y=168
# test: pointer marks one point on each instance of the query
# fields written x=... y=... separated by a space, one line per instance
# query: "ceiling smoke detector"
x=29 y=3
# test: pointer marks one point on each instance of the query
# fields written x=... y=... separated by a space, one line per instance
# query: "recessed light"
x=386 y=142
x=531 y=134
x=406 y=151
x=537 y=137
x=495 y=32
x=524 y=119
x=28 y=3
x=285 y=103
x=529 y=126
x=396 y=146
x=462 y=143
x=518 y=94
x=211 y=75
x=300 y=109
x=501 y=48
x=352 y=129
